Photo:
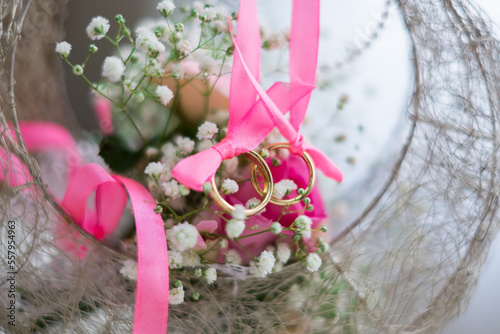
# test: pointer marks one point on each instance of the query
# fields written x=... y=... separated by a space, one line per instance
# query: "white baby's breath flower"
x=154 y=169
x=154 y=69
x=207 y=131
x=283 y=188
x=184 y=47
x=313 y=262
x=152 y=152
x=98 y=28
x=129 y=269
x=191 y=259
x=164 y=94
x=176 y=296
x=232 y=256
x=219 y=26
x=270 y=248
x=198 y=6
x=229 y=187
x=303 y=223
x=234 y=228
x=185 y=145
x=264 y=264
x=230 y=166
x=278 y=267
x=210 y=12
x=283 y=252
x=222 y=12
x=165 y=176
x=204 y=145
x=182 y=237
x=113 y=69
x=174 y=259
x=223 y=243
x=166 y=7
x=180 y=70
x=208 y=64
x=276 y=41
x=239 y=212
x=171 y=189
x=252 y=202
x=63 y=48
x=276 y=228
x=210 y=275
x=147 y=41
x=183 y=190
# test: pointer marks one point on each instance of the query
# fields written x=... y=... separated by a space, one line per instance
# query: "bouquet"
x=230 y=226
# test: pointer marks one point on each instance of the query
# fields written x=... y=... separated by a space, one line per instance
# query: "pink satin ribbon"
x=249 y=121
x=304 y=39
x=38 y=136
x=151 y=311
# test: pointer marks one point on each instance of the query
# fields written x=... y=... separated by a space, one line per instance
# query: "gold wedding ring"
x=286 y=202
x=257 y=163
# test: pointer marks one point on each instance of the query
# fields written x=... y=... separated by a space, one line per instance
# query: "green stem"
x=251 y=235
x=111 y=100
x=172 y=110
x=86 y=59
x=244 y=249
x=192 y=213
x=134 y=125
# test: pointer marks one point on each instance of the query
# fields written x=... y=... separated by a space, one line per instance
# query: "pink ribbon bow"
x=249 y=121
x=304 y=41
x=151 y=311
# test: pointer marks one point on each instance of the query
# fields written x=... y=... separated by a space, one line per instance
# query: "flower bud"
x=134 y=59
x=158 y=209
x=120 y=19
x=77 y=70
x=204 y=76
x=276 y=228
x=93 y=48
x=139 y=97
x=207 y=188
x=179 y=27
x=264 y=153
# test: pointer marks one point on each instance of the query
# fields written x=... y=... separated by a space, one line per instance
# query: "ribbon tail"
x=110 y=200
x=151 y=301
x=196 y=170
x=324 y=164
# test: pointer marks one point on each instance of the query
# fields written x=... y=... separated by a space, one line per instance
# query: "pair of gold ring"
x=266 y=190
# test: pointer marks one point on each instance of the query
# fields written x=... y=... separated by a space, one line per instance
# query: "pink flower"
x=103 y=112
